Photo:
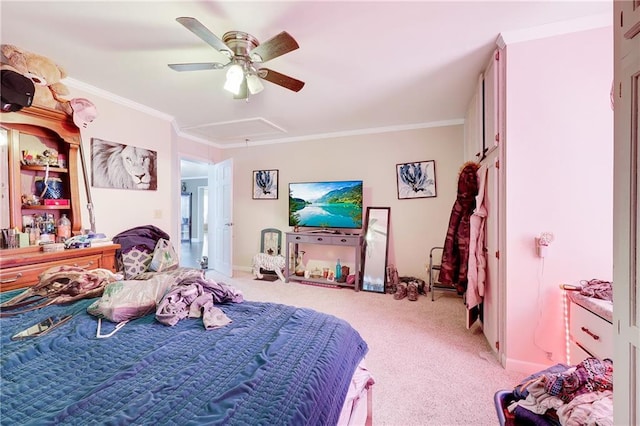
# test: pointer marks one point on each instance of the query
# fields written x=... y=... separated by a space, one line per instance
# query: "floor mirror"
x=376 y=248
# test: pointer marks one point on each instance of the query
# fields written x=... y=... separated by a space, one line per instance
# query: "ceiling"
x=368 y=66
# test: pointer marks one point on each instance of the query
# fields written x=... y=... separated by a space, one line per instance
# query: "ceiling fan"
x=245 y=53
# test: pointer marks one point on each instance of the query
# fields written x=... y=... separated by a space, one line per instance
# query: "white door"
x=493 y=300
x=490 y=302
x=221 y=206
x=626 y=228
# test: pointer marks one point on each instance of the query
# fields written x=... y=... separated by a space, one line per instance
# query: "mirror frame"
x=376 y=249
x=271 y=238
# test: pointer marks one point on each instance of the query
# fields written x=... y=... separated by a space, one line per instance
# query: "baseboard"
x=523 y=367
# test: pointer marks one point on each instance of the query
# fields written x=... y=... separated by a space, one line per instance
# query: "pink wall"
x=559 y=178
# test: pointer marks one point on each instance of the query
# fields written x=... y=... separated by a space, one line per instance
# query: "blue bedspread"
x=273 y=365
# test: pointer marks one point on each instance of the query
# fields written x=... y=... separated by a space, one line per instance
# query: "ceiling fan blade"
x=193 y=25
x=197 y=66
x=281 y=79
x=274 y=47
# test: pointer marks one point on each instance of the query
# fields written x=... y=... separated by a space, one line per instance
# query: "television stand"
x=295 y=238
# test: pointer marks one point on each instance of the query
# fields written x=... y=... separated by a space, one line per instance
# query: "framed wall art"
x=265 y=184
x=116 y=165
x=416 y=180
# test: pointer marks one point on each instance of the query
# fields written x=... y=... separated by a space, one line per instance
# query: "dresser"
x=21 y=267
x=590 y=327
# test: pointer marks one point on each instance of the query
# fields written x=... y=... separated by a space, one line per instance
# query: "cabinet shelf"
x=321 y=281
x=44 y=169
x=43 y=207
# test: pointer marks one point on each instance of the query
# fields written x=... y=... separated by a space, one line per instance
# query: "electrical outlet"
x=157 y=214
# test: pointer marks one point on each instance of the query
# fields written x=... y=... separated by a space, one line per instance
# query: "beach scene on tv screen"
x=335 y=204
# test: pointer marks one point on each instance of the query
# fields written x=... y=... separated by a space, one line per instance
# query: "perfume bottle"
x=338 y=269
x=63 y=229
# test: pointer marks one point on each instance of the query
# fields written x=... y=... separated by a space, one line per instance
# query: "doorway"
x=194 y=183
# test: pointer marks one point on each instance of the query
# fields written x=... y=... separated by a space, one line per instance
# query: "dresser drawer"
x=577 y=353
x=24 y=276
x=301 y=239
x=591 y=332
x=343 y=240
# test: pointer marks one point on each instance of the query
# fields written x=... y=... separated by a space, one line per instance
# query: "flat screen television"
x=326 y=205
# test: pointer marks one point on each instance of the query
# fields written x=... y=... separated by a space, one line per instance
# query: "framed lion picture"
x=120 y=166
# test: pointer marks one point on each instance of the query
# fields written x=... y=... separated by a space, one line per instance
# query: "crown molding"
x=181 y=133
x=358 y=132
x=554 y=29
x=71 y=82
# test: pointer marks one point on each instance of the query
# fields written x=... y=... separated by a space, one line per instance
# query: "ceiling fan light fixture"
x=254 y=84
x=235 y=75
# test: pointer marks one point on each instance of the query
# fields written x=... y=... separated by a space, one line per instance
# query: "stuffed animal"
x=44 y=73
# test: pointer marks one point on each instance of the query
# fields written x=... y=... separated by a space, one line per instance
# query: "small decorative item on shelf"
x=316 y=273
x=54 y=202
x=62 y=161
x=28 y=158
x=30 y=199
x=48 y=188
x=63 y=229
x=300 y=264
x=48 y=157
x=343 y=276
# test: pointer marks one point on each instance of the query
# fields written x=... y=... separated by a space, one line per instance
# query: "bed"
x=273 y=364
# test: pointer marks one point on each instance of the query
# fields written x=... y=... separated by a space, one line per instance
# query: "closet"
x=482 y=144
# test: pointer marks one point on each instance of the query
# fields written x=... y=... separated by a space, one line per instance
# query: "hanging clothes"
x=477 y=271
x=455 y=256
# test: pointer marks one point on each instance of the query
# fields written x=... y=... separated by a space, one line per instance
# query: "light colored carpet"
x=429 y=369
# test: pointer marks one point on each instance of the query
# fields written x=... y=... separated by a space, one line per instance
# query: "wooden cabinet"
x=41 y=143
x=21 y=267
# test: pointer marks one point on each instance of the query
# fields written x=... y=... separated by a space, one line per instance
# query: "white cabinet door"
x=473 y=127
x=491 y=300
x=626 y=255
x=492 y=102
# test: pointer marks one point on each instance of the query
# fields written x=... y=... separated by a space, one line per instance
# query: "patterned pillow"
x=135 y=261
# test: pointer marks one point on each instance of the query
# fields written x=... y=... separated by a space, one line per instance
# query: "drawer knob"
x=12 y=280
x=590 y=333
x=320 y=238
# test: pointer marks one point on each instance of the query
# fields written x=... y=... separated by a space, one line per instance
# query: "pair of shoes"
x=412 y=291
x=392 y=279
x=401 y=291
